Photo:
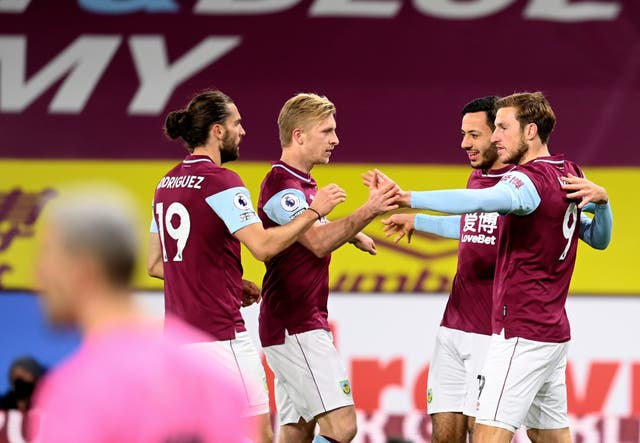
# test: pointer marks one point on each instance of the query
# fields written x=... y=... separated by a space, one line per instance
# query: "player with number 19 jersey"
x=197 y=207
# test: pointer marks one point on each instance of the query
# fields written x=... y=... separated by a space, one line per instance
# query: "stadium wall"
x=386 y=341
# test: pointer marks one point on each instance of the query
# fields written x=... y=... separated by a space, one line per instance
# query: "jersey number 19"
x=180 y=233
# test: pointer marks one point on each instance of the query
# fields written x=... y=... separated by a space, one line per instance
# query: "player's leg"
x=515 y=370
x=301 y=432
x=548 y=420
x=492 y=433
x=448 y=427
x=475 y=381
x=309 y=367
x=296 y=423
x=471 y=424
x=240 y=358
x=338 y=424
x=255 y=381
x=448 y=384
x=549 y=435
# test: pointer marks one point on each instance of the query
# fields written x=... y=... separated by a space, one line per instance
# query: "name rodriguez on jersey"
x=182 y=181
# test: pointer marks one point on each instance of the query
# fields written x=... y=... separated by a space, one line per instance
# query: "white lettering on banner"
x=552 y=10
x=586 y=427
x=411 y=426
x=565 y=11
x=158 y=79
x=354 y=8
x=249 y=7
x=372 y=426
x=14 y=6
x=610 y=430
x=450 y=9
x=83 y=62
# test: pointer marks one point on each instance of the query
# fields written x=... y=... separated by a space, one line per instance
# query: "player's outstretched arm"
x=378 y=177
x=400 y=225
x=596 y=231
x=322 y=239
x=154 y=257
x=447 y=226
x=265 y=243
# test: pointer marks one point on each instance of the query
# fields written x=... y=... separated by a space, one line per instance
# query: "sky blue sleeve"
x=515 y=193
x=285 y=205
x=154 y=226
x=596 y=232
x=234 y=207
x=447 y=226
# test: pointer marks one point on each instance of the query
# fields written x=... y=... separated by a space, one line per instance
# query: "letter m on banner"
x=83 y=63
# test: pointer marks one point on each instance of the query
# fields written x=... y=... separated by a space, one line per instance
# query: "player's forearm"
x=463 y=201
x=155 y=265
x=596 y=232
x=447 y=226
x=328 y=237
x=280 y=238
x=156 y=270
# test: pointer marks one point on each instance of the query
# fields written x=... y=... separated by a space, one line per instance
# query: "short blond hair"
x=301 y=110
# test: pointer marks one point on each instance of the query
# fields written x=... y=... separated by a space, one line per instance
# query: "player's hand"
x=383 y=197
x=250 y=293
x=328 y=198
x=586 y=190
x=400 y=225
x=365 y=243
x=377 y=178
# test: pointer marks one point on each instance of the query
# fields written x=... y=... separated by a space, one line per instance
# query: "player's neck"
x=106 y=309
x=293 y=157
x=497 y=165
x=536 y=150
x=209 y=151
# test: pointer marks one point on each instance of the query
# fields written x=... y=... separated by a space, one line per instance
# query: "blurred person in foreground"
x=128 y=382
x=24 y=374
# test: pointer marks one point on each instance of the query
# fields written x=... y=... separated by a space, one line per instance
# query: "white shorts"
x=453 y=382
x=310 y=376
x=524 y=383
x=243 y=361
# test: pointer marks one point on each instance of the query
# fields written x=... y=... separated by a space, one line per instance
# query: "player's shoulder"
x=282 y=176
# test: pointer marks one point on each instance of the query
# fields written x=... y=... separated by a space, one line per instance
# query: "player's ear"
x=531 y=131
x=216 y=131
x=298 y=136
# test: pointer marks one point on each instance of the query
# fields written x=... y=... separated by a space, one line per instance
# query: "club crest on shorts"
x=429 y=395
x=346 y=387
x=290 y=202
